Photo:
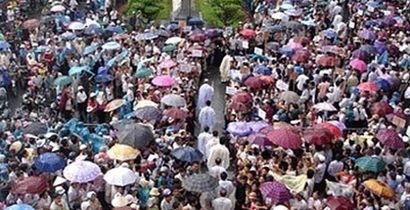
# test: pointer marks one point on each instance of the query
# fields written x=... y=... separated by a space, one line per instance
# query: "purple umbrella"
x=380 y=46
x=367 y=34
x=256 y=126
x=260 y=139
x=81 y=171
x=389 y=21
x=276 y=191
x=360 y=54
x=212 y=32
x=239 y=129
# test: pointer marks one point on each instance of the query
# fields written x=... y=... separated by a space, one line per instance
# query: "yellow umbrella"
x=379 y=188
x=114 y=104
x=122 y=152
x=145 y=103
x=16 y=146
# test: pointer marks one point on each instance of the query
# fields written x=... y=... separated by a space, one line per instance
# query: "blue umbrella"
x=49 y=162
x=195 y=21
x=172 y=27
x=258 y=57
x=4 y=45
x=89 y=49
x=263 y=70
x=103 y=70
x=286 y=51
x=4 y=172
x=68 y=35
x=78 y=70
x=149 y=36
x=103 y=78
x=329 y=33
x=163 y=33
x=42 y=48
x=21 y=206
x=310 y=23
x=383 y=84
x=115 y=29
x=187 y=154
x=93 y=30
x=111 y=46
x=239 y=129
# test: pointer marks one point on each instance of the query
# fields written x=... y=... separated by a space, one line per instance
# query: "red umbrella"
x=381 y=108
x=334 y=130
x=198 y=37
x=285 y=138
x=30 y=185
x=248 y=33
x=385 y=135
x=318 y=136
x=301 y=56
x=325 y=60
x=239 y=107
x=254 y=82
x=267 y=80
x=176 y=113
x=394 y=143
x=242 y=97
x=368 y=86
x=339 y=203
x=31 y=23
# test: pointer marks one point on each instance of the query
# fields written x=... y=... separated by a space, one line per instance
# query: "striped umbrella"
x=276 y=191
x=200 y=183
x=285 y=138
x=390 y=138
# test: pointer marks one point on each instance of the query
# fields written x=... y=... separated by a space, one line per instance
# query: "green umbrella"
x=62 y=81
x=370 y=164
x=143 y=73
x=169 y=48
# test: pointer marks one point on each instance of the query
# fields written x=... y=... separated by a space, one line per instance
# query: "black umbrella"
x=134 y=134
x=200 y=183
x=35 y=128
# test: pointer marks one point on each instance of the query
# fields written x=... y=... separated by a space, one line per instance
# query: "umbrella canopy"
x=122 y=152
x=317 y=136
x=325 y=106
x=301 y=56
x=167 y=64
x=276 y=191
x=75 y=70
x=49 y=162
x=163 y=81
x=359 y=65
x=187 y=154
x=248 y=33
x=390 y=138
x=239 y=128
x=383 y=84
x=176 y=113
x=76 y=26
x=57 y=8
x=148 y=113
x=199 y=37
x=200 y=183
x=104 y=78
x=329 y=33
x=121 y=176
x=340 y=203
x=325 y=60
x=89 y=49
x=30 y=185
x=262 y=69
x=63 y=81
x=114 y=104
x=361 y=54
x=368 y=87
x=285 y=138
x=367 y=34
x=82 y=171
x=379 y=188
x=20 y=206
x=254 y=82
x=256 y=126
x=242 y=97
x=333 y=129
x=35 y=128
x=260 y=139
x=31 y=23
x=135 y=135
x=173 y=100
x=174 y=40
x=371 y=164
x=289 y=97
x=111 y=46
x=68 y=36
x=195 y=21
x=169 y=48
x=143 y=73
x=381 y=108
x=4 y=45
x=145 y=103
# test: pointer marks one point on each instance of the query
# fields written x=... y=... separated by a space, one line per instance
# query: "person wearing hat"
x=168 y=201
x=81 y=100
x=153 y=201
x=143 y=192
x=59 y=201
x=91 y=106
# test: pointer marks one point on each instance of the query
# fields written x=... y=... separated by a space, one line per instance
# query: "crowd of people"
x=117 y=114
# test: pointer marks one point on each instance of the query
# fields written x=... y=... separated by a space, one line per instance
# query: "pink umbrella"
x=163 y=81
x=368 y=86
x=390 y=138
x=381 y=108
x=358 y=65
x=167 y=64
x=295 y=46
x=285 y=138
x=276 y=191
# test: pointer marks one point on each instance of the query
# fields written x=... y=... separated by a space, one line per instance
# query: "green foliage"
x=150 y=9
x=221 y=12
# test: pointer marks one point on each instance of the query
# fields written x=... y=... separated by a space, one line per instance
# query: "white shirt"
x=222 y=203
x=407 y=93
x=227 y=185
x=301 y=81
x=203 y=139
x=216 y=171
x=81 y=97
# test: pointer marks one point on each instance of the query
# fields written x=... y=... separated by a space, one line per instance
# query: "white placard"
x=245 y=44
x=261 y=114
x=258 y=51
x=197 y=53
x=230 y=90
x=360 y=12
x=185 y=67
x=370 y=9
x=352 y=24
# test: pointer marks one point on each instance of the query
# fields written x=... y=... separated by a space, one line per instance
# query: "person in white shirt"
x=205 y=93
x=81 y=100
x=219 y=151
x=300 y=81
x=214 y=140
x=203 y=139
x=207 y=116
x=222 y=203
x=224 y=183
x=217 y=169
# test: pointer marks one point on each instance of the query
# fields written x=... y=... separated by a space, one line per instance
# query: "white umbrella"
x=111 y=46
x=280 y=16
x=325 y=106
x=57 y=8
x=76 y=26
x=174 y=40
x=121 y=176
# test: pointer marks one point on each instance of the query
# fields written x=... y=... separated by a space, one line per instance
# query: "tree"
x=149 y=9
x=230 y=12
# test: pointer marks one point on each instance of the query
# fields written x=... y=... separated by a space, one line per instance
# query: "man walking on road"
x=206 y=93
x=207 y=116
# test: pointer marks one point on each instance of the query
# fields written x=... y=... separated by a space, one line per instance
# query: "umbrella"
x=57 y=8
x=195 y=21
x=285 y=138
x=380 y=46
x=329 y=33
x=145 y=103
x=256 y=126
x=49 y=162
x=81 y=171
x=325 y=106
x=93 y=30
x=358 y=65
x=199 y=37
x=163 y=33
x=333 y=129
x=276 y=191
x=379 y=188
x=174 y=40
x=169 y=48
x=120 y=176
x=35 y=128
x=20 y=206
x=143 y=73
x=239 y=129
x=104 y=78
x=260 y=139
x=242 y=97
x=368 y=87
x=173 y=100
x=262 y=69
x=78 y=70
x=62 y=81
x=111 y=46
x=148 y=113
x=149 y=36
x=248 y=33
x=325 y=60
x=122 y=152
x=274 y=28
x=368 y=48
x=213 y=32
x=31 y=23
x=114 y=104
x=381 y=108
x=394 y=143
x=317 y=136
x=293 y=25
x=254 y=82
x=163 y=81
x=289 y=97
x=280 y=16
x=294 y=12
x=121 y=37
x=4 y=45
x=76 y=26
x=240 y=107
x=301 y=56
x=200 y=183
x=390 y=138
x=310 y=23
x=135 y=135
x=339 y=203
x=68 y=36
x=176 y=113
x=383 y=84
x=371 y=164
x=367 y=34
x=187 y=154
x=89 y=49
x=167 y=64
x=30 y=185
x=267 y=80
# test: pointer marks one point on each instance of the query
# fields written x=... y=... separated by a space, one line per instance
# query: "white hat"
x=90 y=194
x=406 y=111
x=83 y=147
x=58 y=181
x=59 y=190
x=85 y=205
x=93 y=94
x=119 y=201
x=166 y=192
x=280 y=207
x=321 y=157
x=80 y=87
